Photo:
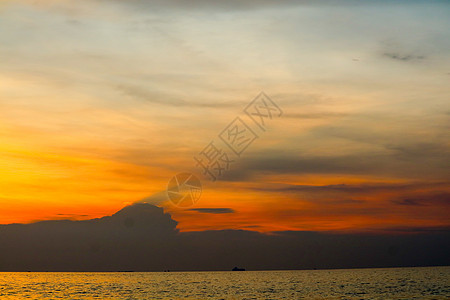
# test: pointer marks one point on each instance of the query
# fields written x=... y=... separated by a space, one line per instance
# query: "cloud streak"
x=213 y=210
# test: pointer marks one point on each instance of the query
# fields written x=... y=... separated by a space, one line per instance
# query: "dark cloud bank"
x=142 y=237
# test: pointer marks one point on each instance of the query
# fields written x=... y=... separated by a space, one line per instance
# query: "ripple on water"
x=397 y=283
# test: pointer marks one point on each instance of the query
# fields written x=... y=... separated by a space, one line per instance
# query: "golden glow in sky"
x=102 y=102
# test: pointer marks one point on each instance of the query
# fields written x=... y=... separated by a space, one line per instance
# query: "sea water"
x=389 y=283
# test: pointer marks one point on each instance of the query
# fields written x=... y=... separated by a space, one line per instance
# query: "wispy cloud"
x=429 y=199
x=403 y=56
x=213 y=210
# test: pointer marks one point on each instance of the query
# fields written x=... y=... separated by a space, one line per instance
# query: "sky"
x=102 y=102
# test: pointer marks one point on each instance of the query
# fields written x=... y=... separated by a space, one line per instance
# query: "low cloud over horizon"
x=141 y=237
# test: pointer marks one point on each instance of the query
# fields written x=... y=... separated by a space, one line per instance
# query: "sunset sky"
x=103 y=101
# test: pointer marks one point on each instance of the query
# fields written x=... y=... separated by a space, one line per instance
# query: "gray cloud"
x=435 y=198
x=403 y=158
x=213 y=210
x=353 y=188
x=376 y=164
x=421 y=150
x=403 y=56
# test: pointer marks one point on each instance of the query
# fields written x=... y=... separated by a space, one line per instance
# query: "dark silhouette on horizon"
x=141 y=237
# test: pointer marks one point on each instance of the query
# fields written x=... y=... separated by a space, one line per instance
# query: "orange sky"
x=101 y=104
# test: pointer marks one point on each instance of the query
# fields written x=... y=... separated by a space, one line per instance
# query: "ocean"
x=388 y=283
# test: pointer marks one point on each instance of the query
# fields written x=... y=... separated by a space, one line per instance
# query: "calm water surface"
x=396 y=283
